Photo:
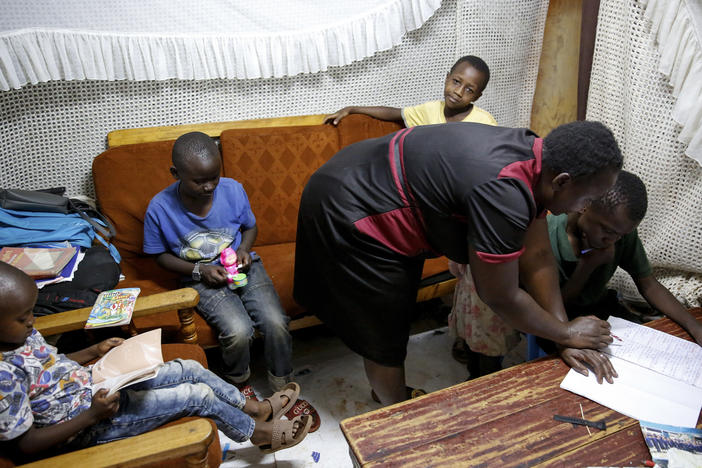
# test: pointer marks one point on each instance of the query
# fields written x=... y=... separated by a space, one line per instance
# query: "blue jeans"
x=235 y=314
x=181 y=388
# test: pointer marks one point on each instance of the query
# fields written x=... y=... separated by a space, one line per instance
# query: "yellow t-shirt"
x=432 y=112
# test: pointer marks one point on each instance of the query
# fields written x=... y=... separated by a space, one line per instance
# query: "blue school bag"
x=40 y=227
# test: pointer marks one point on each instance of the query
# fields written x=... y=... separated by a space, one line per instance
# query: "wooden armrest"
x=190 y=439
x=131 y=136
x=185 y=298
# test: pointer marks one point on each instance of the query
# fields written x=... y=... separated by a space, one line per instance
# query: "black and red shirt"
x=436 y=189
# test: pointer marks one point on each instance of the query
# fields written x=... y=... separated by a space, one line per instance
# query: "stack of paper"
x=38 y=262
x=660 y=376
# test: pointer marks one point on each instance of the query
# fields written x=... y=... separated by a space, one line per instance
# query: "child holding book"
x=46 y=399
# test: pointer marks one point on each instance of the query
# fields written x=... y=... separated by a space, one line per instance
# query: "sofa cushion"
x=434 y=266
x=126 y=179
x=273 y=164
x=143 y=272
x=279 y=260
x=358 y=127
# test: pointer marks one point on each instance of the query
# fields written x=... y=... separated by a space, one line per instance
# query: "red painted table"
x=500 y=420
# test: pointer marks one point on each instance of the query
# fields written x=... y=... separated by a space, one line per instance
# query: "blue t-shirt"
x=169 y=227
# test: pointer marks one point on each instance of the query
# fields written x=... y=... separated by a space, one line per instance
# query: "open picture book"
x=137 y=359
x=660 y=376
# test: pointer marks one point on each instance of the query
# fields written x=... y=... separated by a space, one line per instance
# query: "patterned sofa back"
x=272 y=163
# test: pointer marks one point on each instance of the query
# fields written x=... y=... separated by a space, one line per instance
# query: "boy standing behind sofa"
x=464 y=84
x=187 y=225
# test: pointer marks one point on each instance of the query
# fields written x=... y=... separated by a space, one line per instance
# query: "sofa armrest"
x=184 y=300
x=190 y=440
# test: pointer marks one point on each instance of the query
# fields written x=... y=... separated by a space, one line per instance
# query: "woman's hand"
x=588 y=332
x=104 y=346
x=598 y=362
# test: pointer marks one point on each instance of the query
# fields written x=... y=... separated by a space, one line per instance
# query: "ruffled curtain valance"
x=677 y=26
x=45 y=40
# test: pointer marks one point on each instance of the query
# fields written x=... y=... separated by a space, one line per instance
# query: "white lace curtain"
x=676 y=26
x=44 y=40
x=631 y=91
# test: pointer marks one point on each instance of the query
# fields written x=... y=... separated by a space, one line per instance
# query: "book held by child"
x=113 y=308
x=137 y=359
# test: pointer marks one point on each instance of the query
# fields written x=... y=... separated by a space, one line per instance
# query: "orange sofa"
x=272 y=158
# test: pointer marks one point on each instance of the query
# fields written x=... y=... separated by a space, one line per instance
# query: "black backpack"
x=97 y=272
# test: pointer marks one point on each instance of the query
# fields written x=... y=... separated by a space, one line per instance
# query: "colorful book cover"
x=38 y=262
x=673 y=446
x=113 y=308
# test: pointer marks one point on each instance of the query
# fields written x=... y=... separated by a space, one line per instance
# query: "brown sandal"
x=284 y=427
x=292 y=391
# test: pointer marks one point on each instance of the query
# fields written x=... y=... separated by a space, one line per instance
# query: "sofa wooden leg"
x=188 y=330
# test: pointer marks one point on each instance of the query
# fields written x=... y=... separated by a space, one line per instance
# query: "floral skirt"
x=471 y=319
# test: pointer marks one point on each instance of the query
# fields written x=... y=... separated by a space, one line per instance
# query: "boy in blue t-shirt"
x=187 y=225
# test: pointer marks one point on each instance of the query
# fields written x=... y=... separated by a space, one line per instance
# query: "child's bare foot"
x=261 y=410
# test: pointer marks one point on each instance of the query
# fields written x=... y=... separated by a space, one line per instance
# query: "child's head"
x=616 y=213
x=465 y=82
x=196 y=164
x=18 y=293
x=581 y=160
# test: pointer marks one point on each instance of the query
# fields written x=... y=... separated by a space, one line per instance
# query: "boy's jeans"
x=181 y=388
x=235 y=313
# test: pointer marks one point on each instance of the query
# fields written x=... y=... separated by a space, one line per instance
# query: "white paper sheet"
x=656 y=350
x=641 y=394
x=659 y=376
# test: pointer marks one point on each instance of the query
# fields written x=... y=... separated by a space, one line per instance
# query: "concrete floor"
x=333 y=381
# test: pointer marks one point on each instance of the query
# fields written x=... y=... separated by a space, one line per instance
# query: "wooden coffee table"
x=500 y=420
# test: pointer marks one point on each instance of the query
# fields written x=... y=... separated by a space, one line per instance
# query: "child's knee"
x=201 y=394
x=276 y=323
x=239 y=339
x=191 y=367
